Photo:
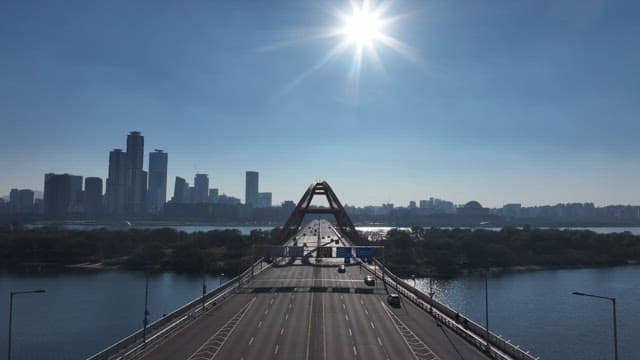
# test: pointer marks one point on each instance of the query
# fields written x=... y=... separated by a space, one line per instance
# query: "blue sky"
x=534 y=102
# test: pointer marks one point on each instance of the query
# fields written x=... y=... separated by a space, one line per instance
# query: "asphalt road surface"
x=309 y=310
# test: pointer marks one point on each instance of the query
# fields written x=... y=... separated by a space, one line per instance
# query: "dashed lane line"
x=212 y=346
x=419 y=349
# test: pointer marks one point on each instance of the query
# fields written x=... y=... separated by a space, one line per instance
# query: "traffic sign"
x=293 y=251
x=343 y=252
x=324 y=252
x=364 y=252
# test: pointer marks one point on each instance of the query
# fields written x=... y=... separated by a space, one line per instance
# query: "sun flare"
x=362 y=27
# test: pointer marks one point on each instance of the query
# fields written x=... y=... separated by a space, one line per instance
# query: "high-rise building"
x=116 y=183
x=21 y=201
x=213 y=195
x=13 y=200
x=157 y=193
x=201 y=188
x=136 y=178
x=61 y=193
x=92 y=198
x=251 y=189
x=264 y=200
x=180 y=191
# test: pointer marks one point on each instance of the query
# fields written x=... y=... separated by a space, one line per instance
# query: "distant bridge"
x=293 y=303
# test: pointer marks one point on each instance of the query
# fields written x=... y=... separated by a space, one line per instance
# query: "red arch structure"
x=343 y=222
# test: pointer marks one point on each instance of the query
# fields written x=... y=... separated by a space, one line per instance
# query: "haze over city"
x=469 y=110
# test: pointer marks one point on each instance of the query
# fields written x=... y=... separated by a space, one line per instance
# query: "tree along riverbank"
x=420 y=252
x=451 y=252
x=159 y=249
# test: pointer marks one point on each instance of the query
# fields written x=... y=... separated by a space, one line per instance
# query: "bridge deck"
x=311 y=311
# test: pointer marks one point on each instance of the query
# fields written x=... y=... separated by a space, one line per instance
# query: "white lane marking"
x=212 y=346
x=271 y=302
x=379 y=341
x=350 y=333
x=276 y=350
x=290 y=305
x=372 y=326
x=266 y=311
x=286 y=317
x=355 y=352
x=361 y=303
x=344 y=306
x=341 y=297
x=281 y=331
x=419 y=349
x=346 y=317
x=251 y=340
x=260 y=324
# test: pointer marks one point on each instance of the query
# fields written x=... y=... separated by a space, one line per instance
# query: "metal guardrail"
x=474 y=333
x=133 y=344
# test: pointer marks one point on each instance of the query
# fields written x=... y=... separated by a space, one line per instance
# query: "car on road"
x=369 y=280
x=393 y=299
x=341 y=269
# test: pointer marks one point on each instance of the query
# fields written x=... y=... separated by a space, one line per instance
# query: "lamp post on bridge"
x=204 y=288
x=486 y=309
x=11 y=295
x=615 y=326
x=145 y=320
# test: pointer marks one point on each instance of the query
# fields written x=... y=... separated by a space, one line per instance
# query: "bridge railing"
x=464 y=326
x=134 y=343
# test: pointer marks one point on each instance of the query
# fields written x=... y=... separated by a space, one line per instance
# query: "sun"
x=362 y=27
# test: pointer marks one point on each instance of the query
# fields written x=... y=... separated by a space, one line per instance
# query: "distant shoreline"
x=143 y=223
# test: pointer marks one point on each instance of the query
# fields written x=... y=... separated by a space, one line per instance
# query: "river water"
x=83 y=312
x=537 y=311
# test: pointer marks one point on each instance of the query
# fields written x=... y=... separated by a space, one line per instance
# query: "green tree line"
x=218 y=250
x=448 y=252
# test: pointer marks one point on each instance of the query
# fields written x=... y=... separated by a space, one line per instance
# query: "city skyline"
x=533 y=103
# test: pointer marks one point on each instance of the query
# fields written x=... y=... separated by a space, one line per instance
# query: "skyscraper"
x=116 y=182
x=157 y=193
x=21 y=201
x=251 y=189
x=264 y=200
x=180 y=191
x=60 y=194
x=92 y=198
x=201 y=188
x=136 y=178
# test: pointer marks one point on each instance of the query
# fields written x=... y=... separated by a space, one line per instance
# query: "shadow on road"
x=444 y=332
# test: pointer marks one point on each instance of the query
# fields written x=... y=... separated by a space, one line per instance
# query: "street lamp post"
x=11 y=294
x=486 y=308
x=615 y=326
x=204 y=289
x=145 y=319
